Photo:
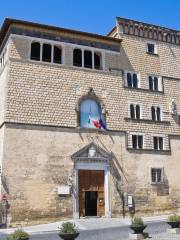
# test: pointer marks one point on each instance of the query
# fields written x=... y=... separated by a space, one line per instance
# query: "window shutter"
x=160 y=84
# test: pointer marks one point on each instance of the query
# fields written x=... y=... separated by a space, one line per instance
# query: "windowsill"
x=153 y=54
x=144 y=90
x=148 y=150
x=68 y=66
x=88 y=68
x=157 y=183
x=147 y=121
x=85 y=129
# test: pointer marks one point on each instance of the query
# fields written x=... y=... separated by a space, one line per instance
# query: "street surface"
x=156 y=230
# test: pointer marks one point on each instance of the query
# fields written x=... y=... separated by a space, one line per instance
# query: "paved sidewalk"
x=84 y=224
x=166 y=236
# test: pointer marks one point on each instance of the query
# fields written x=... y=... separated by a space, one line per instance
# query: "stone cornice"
x=145 y=30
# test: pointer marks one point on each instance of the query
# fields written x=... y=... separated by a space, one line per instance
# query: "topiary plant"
x=18 y=235
x=137 y=222
x=68 y=228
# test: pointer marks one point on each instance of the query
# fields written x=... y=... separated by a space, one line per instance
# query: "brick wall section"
x=42 y=91
x=47 y=94
x=43 y=157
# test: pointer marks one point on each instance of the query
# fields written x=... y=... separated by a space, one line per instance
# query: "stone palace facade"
x=89 y=124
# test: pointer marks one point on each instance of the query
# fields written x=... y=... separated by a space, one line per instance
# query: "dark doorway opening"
x=91 y=203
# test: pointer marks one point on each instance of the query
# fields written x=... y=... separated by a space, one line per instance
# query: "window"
x=153 y=83
x=134 y=111
x=46 y=53
x=35 y=51
x=158 y=143
x=57 y=57
x=77 y=57
x=156 y=175
x=97 y=60
x=87 y=59
x=151 y=48
x=132 y=80
x=156 y=113
x=137 y=141
x=89 y=111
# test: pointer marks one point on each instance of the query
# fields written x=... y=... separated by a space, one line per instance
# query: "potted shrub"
x=68 y=231
x=174 y=221
x=137 y=225
x=18 y=235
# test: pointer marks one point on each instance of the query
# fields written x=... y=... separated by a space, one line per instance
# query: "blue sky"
x=92 y=15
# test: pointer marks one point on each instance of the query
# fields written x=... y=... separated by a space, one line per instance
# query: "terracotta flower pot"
x=138 y=229
x=68 y=236
x=174 y=224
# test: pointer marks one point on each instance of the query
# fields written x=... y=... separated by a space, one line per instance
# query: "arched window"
x=97 y=60
x=35 y=51
x=137 y=111
x=87 y=59
x=155 y=83
x=150 y=83
x=158 y=114
x=57 y=57
x=132 y=113
x=135 y=80
x=77 y=58
x=90 y=113
x=46 y=53
x=153 y=113
x=129 y=80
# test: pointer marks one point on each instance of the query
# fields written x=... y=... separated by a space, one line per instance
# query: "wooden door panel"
x=91 y=180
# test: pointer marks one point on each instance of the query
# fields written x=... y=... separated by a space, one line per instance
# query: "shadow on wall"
x=120 y=63
x=4 y=184
x=119 y=179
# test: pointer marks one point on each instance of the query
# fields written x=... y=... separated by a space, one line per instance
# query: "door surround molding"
x=101 y=161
